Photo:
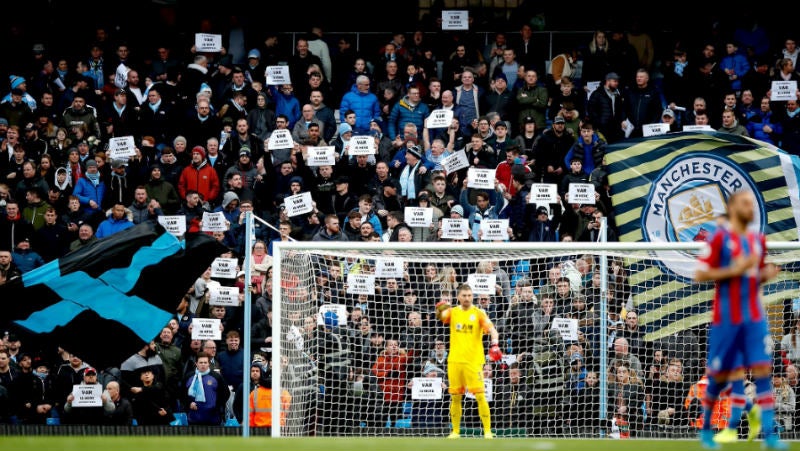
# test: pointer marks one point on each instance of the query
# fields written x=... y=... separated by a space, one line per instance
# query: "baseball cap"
x=254 y=53
x=542 y=211
x=529 y=120
x=90 y=370
x=500 y=76
x=457 y=209
x=29 y=126
x=612 y=76
x=668 y=112
x=559 y=120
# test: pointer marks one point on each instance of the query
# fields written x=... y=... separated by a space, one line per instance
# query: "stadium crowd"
x=202 y=124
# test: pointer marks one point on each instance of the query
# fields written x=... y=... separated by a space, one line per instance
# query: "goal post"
x=358 y=350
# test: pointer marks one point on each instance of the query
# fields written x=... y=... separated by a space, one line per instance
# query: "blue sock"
x=766 y=400
x=712 y=393
x=738 y=403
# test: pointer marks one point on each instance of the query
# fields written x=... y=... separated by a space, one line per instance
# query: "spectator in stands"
x=116 y=221
x=665 y=398
x=363 y=103
x=790 y=343
x=391 y=371
x=626 y=395
x=622 y=353
x=532 y=99
x=731 y=125
x=95 y=415
x=790 y=141
x=199 y=177
x=206 y=393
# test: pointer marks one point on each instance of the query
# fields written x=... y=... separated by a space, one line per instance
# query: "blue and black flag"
x=104 y=301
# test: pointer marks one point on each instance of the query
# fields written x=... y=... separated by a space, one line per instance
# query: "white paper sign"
x=455 y=161
x=567 y=327
x=439 y=119
x=389 y=267
x=206 y=329
x=361 y=284
x=320 y=156
x=591 y=86
x=418 y=216
x=277 y=75
x=480 y=178
x=339 y=309
x=205 y=42
x=121 y=76
x=487 y=390
x=426 y=388
x=455 y=229
x=543 y=193
x=121 y=148
x=655 y=129
x=361 y=145
x=783 y=90
x=280 y=139
x=214 y=222
x=581 y=193
x=298 y=204
x=483 y=283
x=697 y=128
x=227 y=296
x=455 y=20
x=494 y=229
x=224 y=268
x=175 y=224
x=87 y=395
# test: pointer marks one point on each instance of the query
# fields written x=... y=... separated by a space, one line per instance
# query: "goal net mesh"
x=361 y=352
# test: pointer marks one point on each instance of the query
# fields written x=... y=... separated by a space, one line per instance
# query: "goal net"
x=599 y=339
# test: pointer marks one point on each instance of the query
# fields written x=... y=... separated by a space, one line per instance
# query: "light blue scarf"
x=196 y=387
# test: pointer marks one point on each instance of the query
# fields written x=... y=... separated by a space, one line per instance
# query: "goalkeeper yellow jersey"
x=466 y=335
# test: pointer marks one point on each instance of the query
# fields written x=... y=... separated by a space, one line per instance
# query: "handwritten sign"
x=361 y=284
x=206 y=329
x=277 y=75
x=121 y=148
x=121 y=76
x=426 y=388
x=591 y=86
x=439 y=119
x=494 y=229
x=87 y=395
x=455 y=229
x=214 y=222
x=361 y=145
x=455 y=20
x=339 y=309
x=280 y=139
x=783 y=90
x=455 y=161
x=482 y=283
x=206 y=42
x=567 y=327
x=581 y=193
x=480 y=178
x=655 y=129
x=227 y=296
x=298 y=204
x=543 y=193
x=320 y=156
x=697 y=128
x=224 y=268
x=175 y=224
x=418 y=216
x=389 y=267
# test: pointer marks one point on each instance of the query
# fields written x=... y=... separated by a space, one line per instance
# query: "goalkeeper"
x=466 y=358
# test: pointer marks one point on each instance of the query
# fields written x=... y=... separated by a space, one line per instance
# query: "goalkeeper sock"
x=712 y=393
x=738 y=403
x=455 y=412
x=483 y=412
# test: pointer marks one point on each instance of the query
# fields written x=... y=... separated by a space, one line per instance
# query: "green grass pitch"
x=206 y=443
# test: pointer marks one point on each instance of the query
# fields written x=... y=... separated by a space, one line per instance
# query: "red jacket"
x=391 y=373
x=202 y=179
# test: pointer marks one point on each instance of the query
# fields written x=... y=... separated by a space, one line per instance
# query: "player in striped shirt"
x=466 y=357
x=739 y=337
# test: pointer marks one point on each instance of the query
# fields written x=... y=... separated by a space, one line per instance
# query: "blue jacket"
x=403 y=113
x=755 y=127
x=738 y=62
x=286 y=104
x=86 y=191
x=111 y=226
x=372 y=218
x=26 y=260
x=366 y=107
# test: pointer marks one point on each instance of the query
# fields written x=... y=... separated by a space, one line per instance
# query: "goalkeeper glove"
x=441 y=307
x=495 y=354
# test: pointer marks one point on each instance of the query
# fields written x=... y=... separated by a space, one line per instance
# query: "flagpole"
x=248 y=246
